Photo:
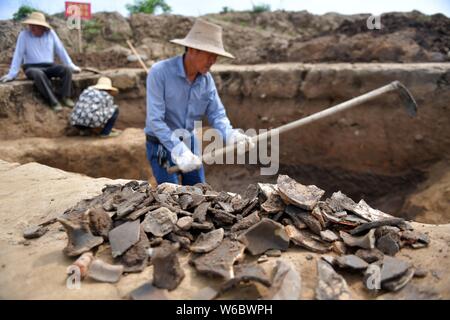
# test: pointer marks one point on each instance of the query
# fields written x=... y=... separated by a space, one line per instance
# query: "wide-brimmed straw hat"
x=37 y=18
x=104 y=83
x=204 y=36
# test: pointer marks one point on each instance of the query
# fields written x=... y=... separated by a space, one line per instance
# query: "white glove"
x=185 y=159
x=76 y=69
x=236 y=137
x=6 y=78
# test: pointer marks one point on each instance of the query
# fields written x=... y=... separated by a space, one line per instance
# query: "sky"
x=201 y=7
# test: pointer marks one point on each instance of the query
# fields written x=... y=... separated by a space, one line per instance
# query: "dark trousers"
x=41 y=74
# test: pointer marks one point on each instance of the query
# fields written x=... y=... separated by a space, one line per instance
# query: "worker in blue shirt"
x=180 y=90
x=35 y=49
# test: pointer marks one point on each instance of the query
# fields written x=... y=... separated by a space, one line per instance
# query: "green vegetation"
x=148 y=6
x=91 y=28
x=23 y=12
x=226 y=10
x=261 y=7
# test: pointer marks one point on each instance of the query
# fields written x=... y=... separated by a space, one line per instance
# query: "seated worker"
x=95 y=111
x=180 y=90
x=35 y=48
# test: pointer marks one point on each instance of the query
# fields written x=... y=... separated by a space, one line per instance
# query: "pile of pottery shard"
x=150 y=226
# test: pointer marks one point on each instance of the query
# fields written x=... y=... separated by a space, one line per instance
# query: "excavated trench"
x=374 y=151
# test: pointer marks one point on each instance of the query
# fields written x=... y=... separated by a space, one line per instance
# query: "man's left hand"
x=76 y=69
x=240 y=139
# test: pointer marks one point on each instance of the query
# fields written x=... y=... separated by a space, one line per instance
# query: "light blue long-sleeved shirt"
x=175 y=103
x=31 y=49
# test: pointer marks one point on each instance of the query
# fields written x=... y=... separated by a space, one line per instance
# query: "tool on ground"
x=405 y=97
x=137 y=55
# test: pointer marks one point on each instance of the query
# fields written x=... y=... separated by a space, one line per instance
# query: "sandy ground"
x=33 y=193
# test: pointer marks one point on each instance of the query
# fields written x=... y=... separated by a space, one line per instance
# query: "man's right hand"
x=6 y=78
x=185 y=159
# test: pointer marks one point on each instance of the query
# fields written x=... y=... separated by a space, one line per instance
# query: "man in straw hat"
x=35 y=48
x=180 y=90
x=95 y=111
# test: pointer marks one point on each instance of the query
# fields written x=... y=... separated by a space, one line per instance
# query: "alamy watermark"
x=265 y=152
x=374 y=22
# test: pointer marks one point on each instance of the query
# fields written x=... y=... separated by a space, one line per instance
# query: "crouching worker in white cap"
x=180 y=90
x=95 y=112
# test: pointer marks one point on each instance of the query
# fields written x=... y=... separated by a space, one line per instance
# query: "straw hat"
x=104 y=83
x=37 y=18
x=204 y=36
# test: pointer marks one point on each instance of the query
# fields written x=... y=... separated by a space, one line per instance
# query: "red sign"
x=85 y=9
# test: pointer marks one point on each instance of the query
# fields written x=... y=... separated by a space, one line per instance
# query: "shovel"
x=405 y=97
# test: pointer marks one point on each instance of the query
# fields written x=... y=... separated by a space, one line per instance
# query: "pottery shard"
x=389 y=244
x=130 y=204
x=301 y=239
x=352 y=262
x=185 y=201
x=366 y=212
x=247 y=272
x=167 y=272
x=376 y=224
x=292 y=192
x=247 y=222
x=201 y=211
x=159 y=222
x=147 y=291
x=365 y=242
x=207 y=242
x=100 y=222
x=397 y=284
x=34 y=232
x=329 y=236
x=370 y=256
x=123 y=237
x=135 y=259
x=185 y=223
x=266 y=234
x=220 y=261
x=307 y=218
x=331 y=286
x=340 y=202
x=105 y=272
x=286 y=283
x=393 y=268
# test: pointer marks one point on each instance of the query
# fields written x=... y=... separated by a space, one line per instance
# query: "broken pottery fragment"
x=183 y=241
x=148 y=291
x=303 y=240
x=339 y=247
x=413 y=237
x=263 y=258
x=393 y=268
x=220 y=261
x=339 y=202
x=34 y=232
x=135 y=258
x=292 y=192
x=206 y=225
x=329 y=259
x=80 y=237
x=375 y=224
x=207 y=242
x=253 y=204
x=167 y=272
x=201 y=211
x=331 y=285
x=265 y=235
x=286 y=283
x=246 y=222
x=99 y=222
x=252 y=192
x=105 y=272
x=366 y=242
x=351 y=262
x=185 y=223
x=246 y=272
x=226 y=206
x=363 y=210
x=82 y=263
x=389 y=244
x=399 y=283
x=370 y=256
x=159 y=222
x=328 y=236
x=306 y=217
x=185 y=201
x=273 y=253
x=123 y=237
x=140 y=212
x=130 y=204
x=222 y=216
